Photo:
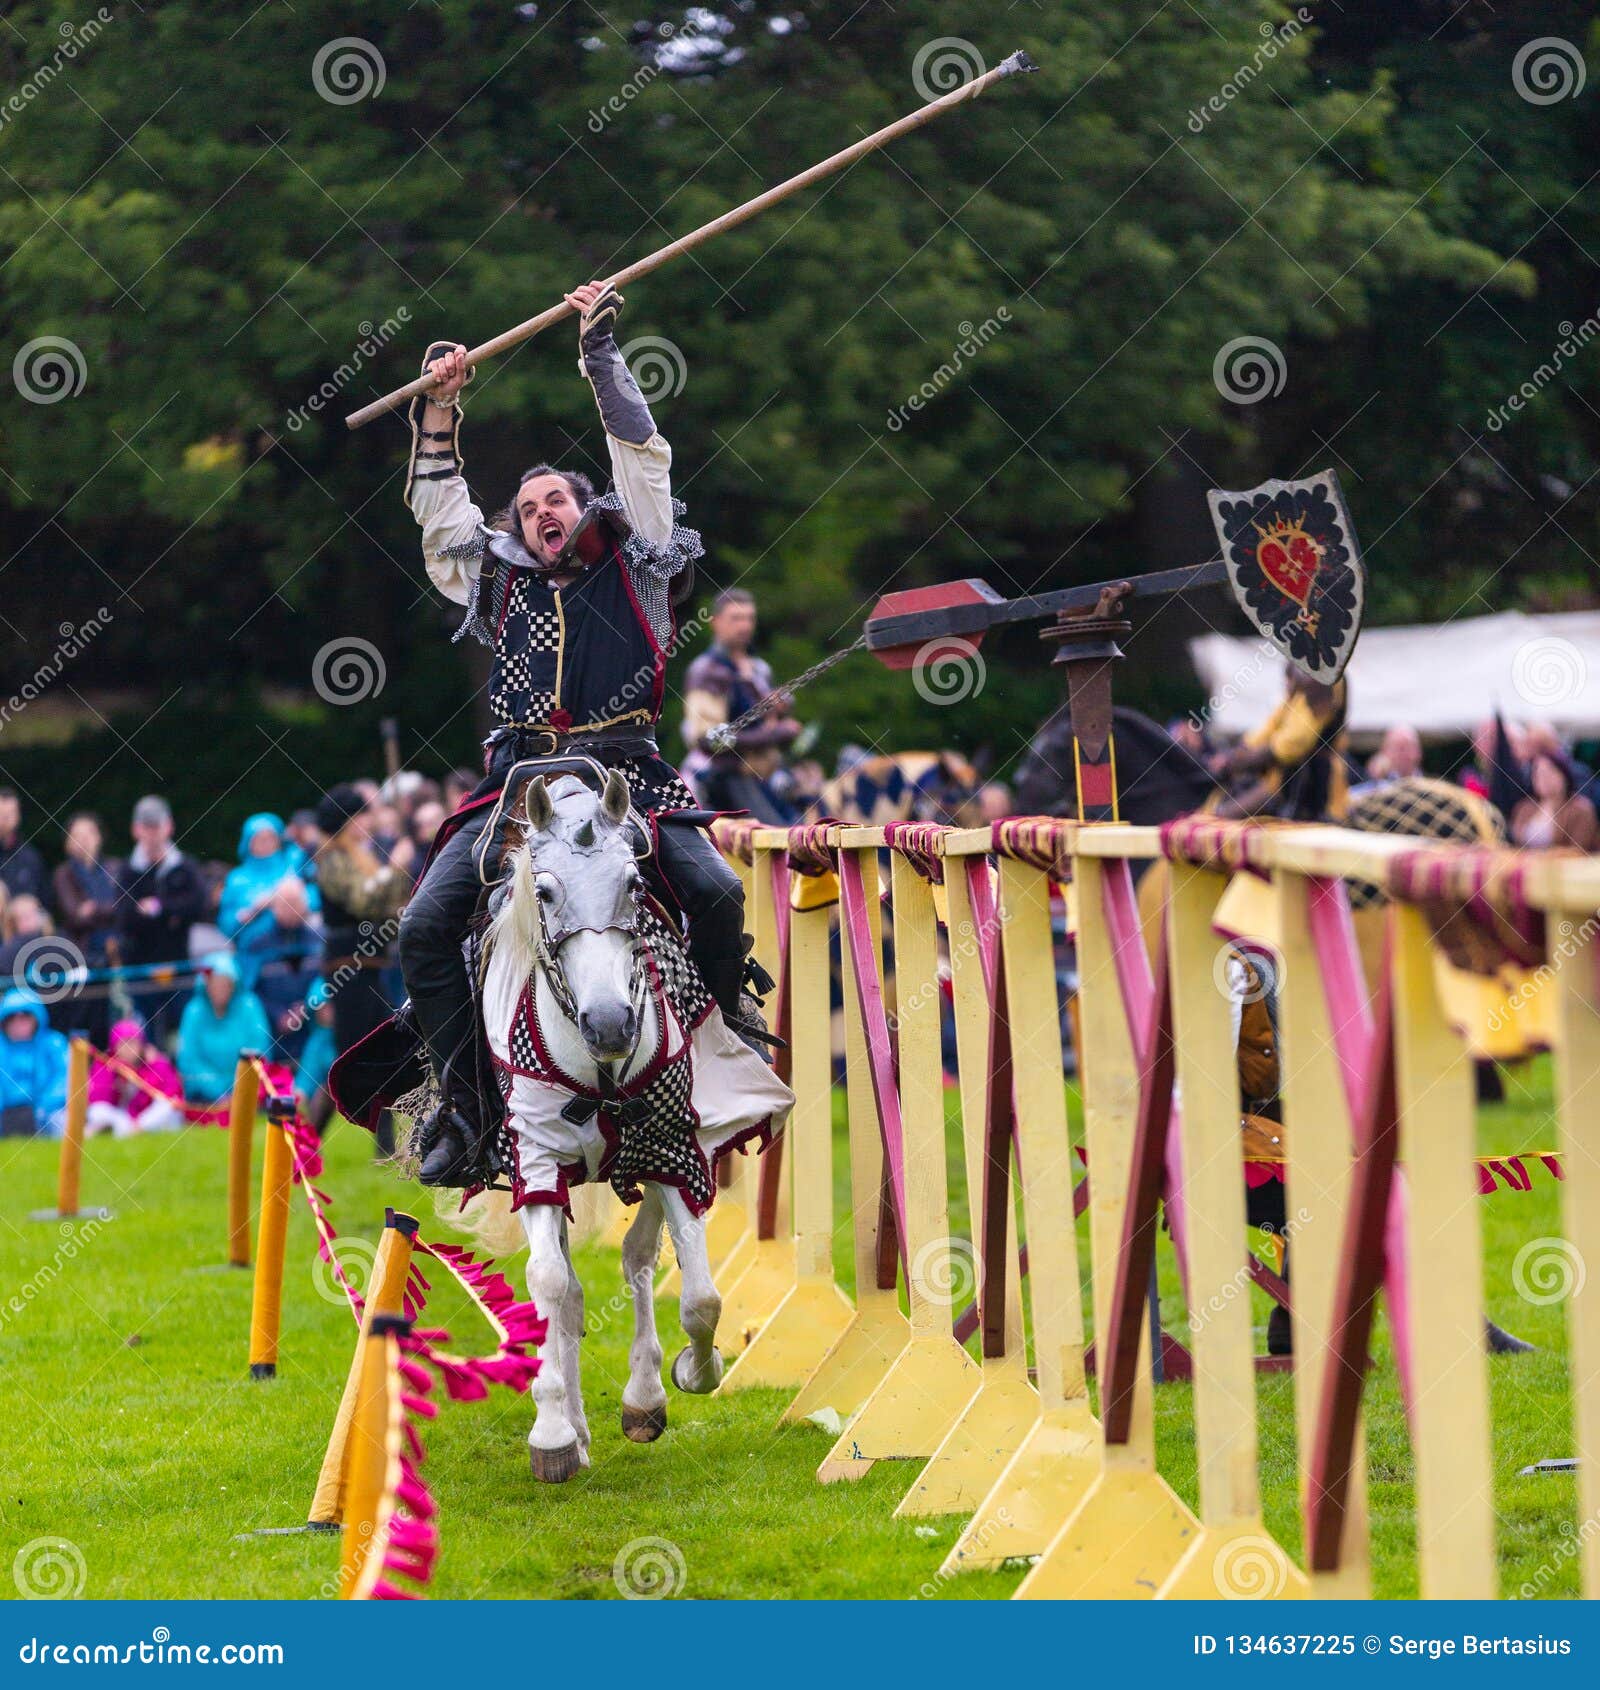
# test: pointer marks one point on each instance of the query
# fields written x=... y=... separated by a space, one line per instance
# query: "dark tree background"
x=1376 y=197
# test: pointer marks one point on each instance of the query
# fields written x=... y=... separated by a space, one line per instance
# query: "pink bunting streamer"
x=411 y=1535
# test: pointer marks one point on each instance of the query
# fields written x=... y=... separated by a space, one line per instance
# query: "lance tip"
x=1019 y=64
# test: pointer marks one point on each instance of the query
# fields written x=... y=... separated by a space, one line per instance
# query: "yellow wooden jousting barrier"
x=1379 y=1014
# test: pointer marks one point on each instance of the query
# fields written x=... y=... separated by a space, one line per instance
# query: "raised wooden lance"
x=1016 y=65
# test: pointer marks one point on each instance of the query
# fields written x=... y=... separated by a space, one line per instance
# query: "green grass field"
x=136 y=1435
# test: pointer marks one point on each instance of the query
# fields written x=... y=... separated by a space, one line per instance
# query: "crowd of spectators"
x=287 y=951
x=290 y=949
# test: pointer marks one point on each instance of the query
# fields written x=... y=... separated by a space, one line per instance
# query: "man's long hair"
x=582 y=490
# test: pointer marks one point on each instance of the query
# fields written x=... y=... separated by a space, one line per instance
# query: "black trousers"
x=359 y=1007
x=686 y=867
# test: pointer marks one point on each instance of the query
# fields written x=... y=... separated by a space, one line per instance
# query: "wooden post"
x=763 y=1273
x=1059 y=1458
x=376 y=1429
x=1131 y=1529
x=1575 y=960
x=385 y=1296
x=1444 y=1241
x=272 y=1231
x=865 y=1351
x=1316 y=1115
x=241 y=1130
x=933 y=1379
x=815 y=1311
x=69 y=1174
x=1233 y=1556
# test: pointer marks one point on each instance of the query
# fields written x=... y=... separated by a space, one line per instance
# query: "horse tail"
x=495 y=1228
x=488 y=1220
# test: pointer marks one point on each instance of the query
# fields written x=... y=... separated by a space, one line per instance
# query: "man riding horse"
x=575 y=595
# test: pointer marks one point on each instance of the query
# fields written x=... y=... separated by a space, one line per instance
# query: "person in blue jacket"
x=316 y=1057
x=219 y=1021
x=33 y=1067
x=266 y=859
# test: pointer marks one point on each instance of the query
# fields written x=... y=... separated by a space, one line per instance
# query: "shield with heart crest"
x=1295 y=567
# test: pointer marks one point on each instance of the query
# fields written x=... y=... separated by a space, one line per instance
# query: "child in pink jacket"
x=123 y=1105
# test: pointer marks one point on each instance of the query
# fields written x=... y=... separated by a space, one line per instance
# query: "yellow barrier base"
x=798 y=1334
x=963 y=1469
x=907 y=1417
x=1123 y=1540
x=748 y=1302
x=1040 y=1486
x=1239 y=1560
x=858 y=1363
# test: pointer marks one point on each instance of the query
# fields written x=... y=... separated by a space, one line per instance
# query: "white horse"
x=575 y=1013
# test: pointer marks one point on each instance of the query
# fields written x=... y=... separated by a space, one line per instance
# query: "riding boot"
x=454 y=1138
x=727 y=978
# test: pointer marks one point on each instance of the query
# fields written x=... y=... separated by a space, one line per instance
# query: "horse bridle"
x=547 y=954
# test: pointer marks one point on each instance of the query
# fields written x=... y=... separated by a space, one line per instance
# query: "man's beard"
x=549 y=536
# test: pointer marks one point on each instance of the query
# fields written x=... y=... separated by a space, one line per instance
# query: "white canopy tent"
x=1443 y=678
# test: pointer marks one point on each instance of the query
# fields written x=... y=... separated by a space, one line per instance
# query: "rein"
x=547 y=958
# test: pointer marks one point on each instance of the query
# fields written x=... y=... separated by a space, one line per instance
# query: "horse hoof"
x=553 y=1466
x=643 y=1425
x=681 y=1363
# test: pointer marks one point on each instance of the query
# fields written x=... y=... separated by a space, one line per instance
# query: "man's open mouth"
x=552 y=534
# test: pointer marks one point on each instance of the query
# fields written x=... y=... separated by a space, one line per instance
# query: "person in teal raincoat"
x=266 y=858
x=33 y=1065
x=219 y=1021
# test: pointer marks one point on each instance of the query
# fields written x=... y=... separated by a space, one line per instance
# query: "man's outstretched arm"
x=452 y=525
x=641 y=460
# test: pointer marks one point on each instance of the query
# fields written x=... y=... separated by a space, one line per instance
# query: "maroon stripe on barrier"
x=856 y=916
x=999 y=1128
x=1344 y=986
x=999 y=1118
x=771 y=1163
x=1134 y=975
x=1147 y=1168
x=1361 y=1269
